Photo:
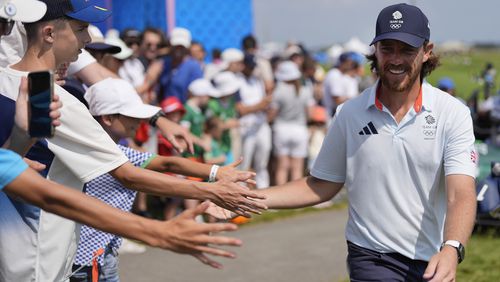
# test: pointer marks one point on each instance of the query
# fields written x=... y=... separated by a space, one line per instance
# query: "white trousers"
x=256 y=149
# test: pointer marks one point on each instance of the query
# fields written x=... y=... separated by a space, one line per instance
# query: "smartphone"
x=40 y=94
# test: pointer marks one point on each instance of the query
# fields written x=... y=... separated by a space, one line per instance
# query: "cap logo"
x=10 y=9
x=396 y=21
x=397 y=15
x=101 y=8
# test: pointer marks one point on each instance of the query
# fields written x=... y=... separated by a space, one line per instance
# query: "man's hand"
x=34 y=164
x=61 y=73
x=21 y=118
x=231 y=174
x=220 y=213
x=236 y=198
x=442 y=266
x=184 y=235
x=177 y=135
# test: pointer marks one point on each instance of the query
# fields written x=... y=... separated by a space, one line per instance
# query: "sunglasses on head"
x=6 y=26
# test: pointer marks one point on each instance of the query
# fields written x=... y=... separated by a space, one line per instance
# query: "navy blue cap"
x=83 y=10
x=103 y=47
x=249 y=60
x=402 y=22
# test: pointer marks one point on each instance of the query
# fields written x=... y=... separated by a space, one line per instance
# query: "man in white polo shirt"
x=404 y=150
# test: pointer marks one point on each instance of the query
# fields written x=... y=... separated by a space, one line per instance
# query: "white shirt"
x=251 y=92
x=36 y=245
x=133 y=71
x=338 y=84
x=84 y=59
x=394 y=173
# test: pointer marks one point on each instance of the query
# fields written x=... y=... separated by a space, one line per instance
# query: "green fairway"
x=465 y=69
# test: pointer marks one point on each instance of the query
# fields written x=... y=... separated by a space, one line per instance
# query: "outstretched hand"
x=184 y=235
x=230 y=173
x=220 y=213
x=177 y=135
x=234 y=197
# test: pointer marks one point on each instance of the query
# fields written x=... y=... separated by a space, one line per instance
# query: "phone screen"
x=40 y=97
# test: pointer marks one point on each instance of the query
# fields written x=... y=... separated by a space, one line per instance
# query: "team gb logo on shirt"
x=429 y=127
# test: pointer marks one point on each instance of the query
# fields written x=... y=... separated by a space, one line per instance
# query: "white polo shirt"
x=36 y=245
x=394 y=173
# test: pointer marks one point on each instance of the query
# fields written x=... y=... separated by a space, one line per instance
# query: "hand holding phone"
x=40 y=93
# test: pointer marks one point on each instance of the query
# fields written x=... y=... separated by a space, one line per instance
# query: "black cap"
x=402 y=22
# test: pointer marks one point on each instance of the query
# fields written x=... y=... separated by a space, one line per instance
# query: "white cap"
x=287 y=71
x=292 y=50
x=231 y=55
x=22 y=10
x=125 y=52
x=95 y=33
x=180 y=37
x=203 y=87
x=117 y=96
x=226 y=83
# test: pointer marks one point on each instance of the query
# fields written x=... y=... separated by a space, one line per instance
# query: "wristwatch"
x=458 y=246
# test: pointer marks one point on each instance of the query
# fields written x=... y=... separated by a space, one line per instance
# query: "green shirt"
x=196 y=120
x=224 y=111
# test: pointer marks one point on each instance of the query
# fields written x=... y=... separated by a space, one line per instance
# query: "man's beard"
x=405 y=84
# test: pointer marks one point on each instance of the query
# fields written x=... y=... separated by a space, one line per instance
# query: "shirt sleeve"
x=11 y=166
x=460 y=156
x=81 y=144
x=139 y=159
x=84 y=59
x=331 y=162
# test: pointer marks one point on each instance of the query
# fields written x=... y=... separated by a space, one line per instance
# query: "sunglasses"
x=6 y=26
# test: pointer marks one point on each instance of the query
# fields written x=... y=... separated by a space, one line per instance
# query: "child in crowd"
x=214 y=132
x=224 y=107
x=118 y=108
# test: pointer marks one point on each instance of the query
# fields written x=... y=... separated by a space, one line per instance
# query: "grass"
x=482 y=259
x=465 y=69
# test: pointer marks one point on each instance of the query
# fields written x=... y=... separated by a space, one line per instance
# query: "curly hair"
x=431 y=64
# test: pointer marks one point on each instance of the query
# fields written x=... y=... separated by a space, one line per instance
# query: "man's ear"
x=48 y=33
x=427 y=51
x=107 y=119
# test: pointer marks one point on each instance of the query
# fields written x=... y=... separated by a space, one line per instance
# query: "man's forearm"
x=74 y=205
x=160 y=184
x=180 y=166
x=461 y=209
x=300 y=193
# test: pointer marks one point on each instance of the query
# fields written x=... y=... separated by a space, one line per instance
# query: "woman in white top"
x=290 y=108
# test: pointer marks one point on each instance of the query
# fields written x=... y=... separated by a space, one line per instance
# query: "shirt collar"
x=424 y=100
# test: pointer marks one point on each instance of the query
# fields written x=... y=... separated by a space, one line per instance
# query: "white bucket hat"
x=287 y=71
x=125 y=52
x=180 y=37
x=226 y=83
x=231 y=55
x=117 y=96
x=22 y=10
x=202 y=87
